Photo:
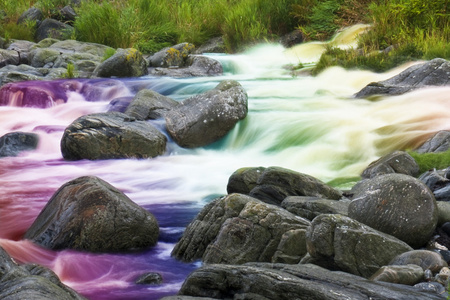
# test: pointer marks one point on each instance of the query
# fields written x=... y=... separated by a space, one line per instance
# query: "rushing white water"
x=308 y=124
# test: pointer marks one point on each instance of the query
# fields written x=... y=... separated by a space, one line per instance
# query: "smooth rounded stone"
x=350 y=245
x=43 y=57
x=89 y=214
x=439 y=142
x=438 y=182
x=443 y=275
x=237 y=229
x=174 y=56
x=11 y=144
x=124 y=63
x=9 y=57
x=433 y=287
x=244 y=180
x=311 y=207
x=214 y=45
x=120 y=104
x=287 y=282
x=396 y=204
x=111 y=135
x=443 y=213
x=73 y=46
x=150 y=105
x=149 y=278
x=276 y=183
x=194 y=66
x=54 y=29
x=31 y=14
x=405 y=274
x=395 y=162
x=205 y=118
x=23 y=49
x=423 y=258
x=31 y=282
x=431 y=73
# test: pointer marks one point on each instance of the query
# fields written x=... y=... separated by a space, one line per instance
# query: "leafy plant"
x=70 y=73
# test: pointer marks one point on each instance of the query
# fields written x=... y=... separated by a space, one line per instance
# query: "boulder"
x=150 y=105
x=89 y=214
x=438 y=182
x=30 y=15
x=405 y=274
x=439 y=142
x=264 y=281
x=53 y=29
x=293 y=38
x=149 y=278
x=43 y=57
x=18 y=282
x=23 y=49
x=338 y=242
x=422 y=258
x=9 y=57
x=67 y=14
x=11 y=144
x=205 y=118
x=214 y=45
x=111 y=135
x=237 y=229
x=431 y=73
x=244 y=180
x=443 y=212
x=12 y=73
x=395 y=162
x=174 y=56
x=311 y=207
x=124 y=63
x=194 y=66
x=274 y=184
x=396 y=204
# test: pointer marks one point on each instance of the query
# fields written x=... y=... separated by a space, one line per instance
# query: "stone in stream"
x=439 y=142
x=124 y=63
x=396 y=204
x=88 y=214
x=395 y=162
x=439 y=183
x=148 y=104
x=111 y=135
x=205 y=118
x=29 y=281
x=311 y=207
x=11 y=144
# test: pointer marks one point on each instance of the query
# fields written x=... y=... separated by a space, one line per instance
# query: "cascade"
x=308 y=124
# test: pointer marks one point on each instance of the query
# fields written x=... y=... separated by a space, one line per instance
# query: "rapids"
x=308 y=124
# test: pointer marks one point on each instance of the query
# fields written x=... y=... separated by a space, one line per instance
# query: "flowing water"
x=308 y=124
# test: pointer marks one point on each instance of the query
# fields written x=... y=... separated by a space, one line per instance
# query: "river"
x=312 y=125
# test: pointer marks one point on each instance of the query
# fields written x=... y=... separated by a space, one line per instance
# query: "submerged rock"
x=396 y=204
x=31 y=282
x=11 y=144
x=89 y=214
x=237 y=229
x=431 y=73
x=286 y=282
x=205 y=118
x=111 y=135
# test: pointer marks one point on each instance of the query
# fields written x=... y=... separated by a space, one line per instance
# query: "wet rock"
x=237 y=229
x=274 y=184
x=205 y=118
x=311 y=207
x=423 y=258
x=174 y=56
x=111 y=135
x=31 y=282
x=88 y=214
x=439 y=142
x=244 y=180
x=12 y=73
x=395 y=162
x=150 y=105
x=338 y=241
x=124 y=63
x=11 y=144
x=431 y=73
x=214 y=45
x=54 y=29
x=149 y=278
x=286 y=282
x=396 y=204
x=195 y=66
x=405 y=274
x=443 y=212
x=433 y=287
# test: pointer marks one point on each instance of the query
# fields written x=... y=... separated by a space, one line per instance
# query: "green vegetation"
x=428 y=161
x=70 y=73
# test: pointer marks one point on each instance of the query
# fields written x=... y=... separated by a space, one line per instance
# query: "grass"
x=429 y=161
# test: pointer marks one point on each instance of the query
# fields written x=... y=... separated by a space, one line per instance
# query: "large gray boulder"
x=54 y=29
x=205 y=118
x=9 y=57
x=427 y=260
x=124 y=63
x=396 y=204
x=22 y=48
x=18 y=282
x=274 y=184
x=431 y=73
x=12 y=73
x=11 y=144
x=237 y=229
x=194 y=66
x=395 y=162
x=339 y=242
x=33 y=14
x=311 y=207
x=150 y=105
x=438 y=182
x=439 y=142
x=89 y=214
x=265 y=281
x=111 y=135
x=174 y=56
